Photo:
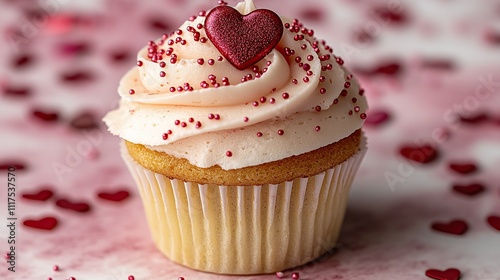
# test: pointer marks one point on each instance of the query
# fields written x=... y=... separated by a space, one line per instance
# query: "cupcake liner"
x=245 y=229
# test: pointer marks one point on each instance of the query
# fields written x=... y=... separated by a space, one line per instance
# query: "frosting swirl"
x=192 y=103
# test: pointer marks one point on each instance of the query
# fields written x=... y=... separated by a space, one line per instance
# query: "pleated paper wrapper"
x=245 y=229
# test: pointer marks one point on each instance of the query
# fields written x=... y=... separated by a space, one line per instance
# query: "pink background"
x=441 y=62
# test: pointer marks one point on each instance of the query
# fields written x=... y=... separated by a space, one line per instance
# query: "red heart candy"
x=494 y=221
x=463 y=168
x=75 y=206
x=42 y=195
x=84 y=120
x=47 y=223
x=47 y=116
x=438 y=64
x=76 y=77
x=421 y=154
x=5 y=165
x=388 y=68
x=17 y=91
x=449 y=274
x=376 y=118
x=457 y=227
x=243 y=39
x=116 y=196
x=471 y=189
x=476 y=119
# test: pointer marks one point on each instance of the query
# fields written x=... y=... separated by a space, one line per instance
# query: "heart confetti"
x=456 y=227
x=421 y=154
x=376 y=118
x=243 y=39
x=449 y=274
x=75 y=206
x=463 y=168
x=84 y=120
x=17 y=91
x=494 y=221
x=47 y=223
x=470 y=190
x=5 y=165
x=42 y=195
x=116 y=196
x=46 y=116
x=476 y=119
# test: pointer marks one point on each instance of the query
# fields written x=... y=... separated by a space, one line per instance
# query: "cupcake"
x=243 y=134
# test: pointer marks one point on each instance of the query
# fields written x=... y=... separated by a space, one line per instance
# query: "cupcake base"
x=245 y=229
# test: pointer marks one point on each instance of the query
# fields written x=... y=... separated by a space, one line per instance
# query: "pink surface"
x=430 y=71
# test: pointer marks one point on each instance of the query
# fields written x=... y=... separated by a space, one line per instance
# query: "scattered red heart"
x=463 y=168
x=75 y=206
x=457 y=227
x=494 y=221
x=421 y=154
x=449 y=274
x=471 y=189
x=47 y=223
x=114 y=196
x=41 y=195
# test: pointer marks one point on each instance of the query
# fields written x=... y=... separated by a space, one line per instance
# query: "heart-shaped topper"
x=243 y=39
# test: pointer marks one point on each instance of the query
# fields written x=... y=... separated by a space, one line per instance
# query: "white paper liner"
x=245 y=229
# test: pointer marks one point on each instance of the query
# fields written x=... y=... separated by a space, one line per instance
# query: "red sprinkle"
x=295 y=275
x=229 y=154
x=317 y=128
x=55 y=268
x=322 y=90
x=272 y=100
x=131 y=91
x=201 y=61
x=281 y=132
x=211 y=62
x=131 y=277
x=139 y=63
x=285 y=95
x=259 y=134
x=362 y=116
